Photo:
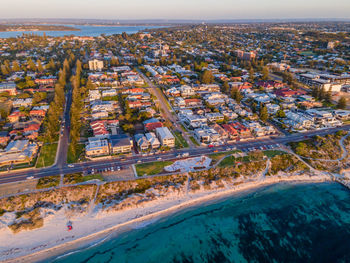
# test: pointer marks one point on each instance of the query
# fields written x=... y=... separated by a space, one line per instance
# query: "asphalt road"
x=14 y=176
x=61 y=154
x=163 y=104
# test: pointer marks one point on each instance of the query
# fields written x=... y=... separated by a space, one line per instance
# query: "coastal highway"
x=14 y=176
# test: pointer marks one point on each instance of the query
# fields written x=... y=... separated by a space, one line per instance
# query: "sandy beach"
x=53 y=239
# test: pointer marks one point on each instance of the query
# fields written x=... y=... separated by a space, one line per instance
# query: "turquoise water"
x=92 y=31
x=279 y=223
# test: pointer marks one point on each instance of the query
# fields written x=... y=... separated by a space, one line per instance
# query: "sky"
x=175 y=9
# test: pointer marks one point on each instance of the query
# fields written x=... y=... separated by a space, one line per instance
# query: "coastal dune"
x=89 y=227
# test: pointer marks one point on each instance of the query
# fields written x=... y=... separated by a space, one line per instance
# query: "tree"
x=31 y=65
x=207 y=77
x=251 y=75
x=328 y=96
x=265 y=73
x=225 y=87
x=5 y=70
x=280 y=114
x=40 y=66
x=125 y=36
x=263 y=113
x=342 y=103
x=236 y=95
x=15 y=66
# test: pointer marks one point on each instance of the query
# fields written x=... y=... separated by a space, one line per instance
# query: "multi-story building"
x=165 y=137
x=96 y=65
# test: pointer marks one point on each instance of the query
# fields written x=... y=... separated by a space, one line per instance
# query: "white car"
x=30 y=177
x=70 y=165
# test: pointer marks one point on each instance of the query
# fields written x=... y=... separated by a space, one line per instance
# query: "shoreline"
x=171 y=207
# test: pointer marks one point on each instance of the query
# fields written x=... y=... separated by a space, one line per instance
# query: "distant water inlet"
x=279 y=223
x=92 y=31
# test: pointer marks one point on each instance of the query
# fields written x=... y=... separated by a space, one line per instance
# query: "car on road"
x=70 y=165
x=139 y=161
x=30 y=177
x=159 y=158
x=210 y=146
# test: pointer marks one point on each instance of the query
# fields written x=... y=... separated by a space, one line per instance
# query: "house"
x=37 y=113
x=97 y=147
x=298 y=120
x=15 y=116
x=108 y=106
x=193 y=103
x=173 y=92
x=194 y=121
x=141 y=141
x=32 y=128
x=94 y=95
x=272 y=108
x=165 y=137
x=186 y=91
x=19 y=151
x=342 y=114
x=221 y=131
x=207 y=135
x=9 y=87
x=50 y=81
x=231 y=131
x=22 y=102
x=243 y=131
x=153 y=140
x=99 y=115
x=180 y=102
x=109 y=92
x=287 y=92
x=214 y=117
x=4 y=138
x=120 y=143
x=133 y=91
x=99 y=128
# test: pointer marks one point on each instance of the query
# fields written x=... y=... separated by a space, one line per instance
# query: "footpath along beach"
x=53 y=239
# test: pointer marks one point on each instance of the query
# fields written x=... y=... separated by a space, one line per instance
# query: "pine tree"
x=207 y=77
x=40 y=66
x=263 y=113
x=265 y=73
x=251 y=75
x=15 y=66
x=342 y=103
x=225 y=87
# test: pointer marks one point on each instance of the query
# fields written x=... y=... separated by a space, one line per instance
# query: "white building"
x=96 y=65
x=165 y=137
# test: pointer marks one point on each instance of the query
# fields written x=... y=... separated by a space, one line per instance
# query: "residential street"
x=162 y=102
x=101 y=164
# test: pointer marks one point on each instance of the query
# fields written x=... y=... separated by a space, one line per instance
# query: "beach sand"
x=53 y=239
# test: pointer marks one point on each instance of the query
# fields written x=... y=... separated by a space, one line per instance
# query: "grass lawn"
x=273 y=153
x=183 y=128
x=79 y=178
x=71 y=158
x=49 y=181
x=181 y=140
x=227 y=162
x=194 y=141
x=47 y=155
x=151 y=168
x=217 y=156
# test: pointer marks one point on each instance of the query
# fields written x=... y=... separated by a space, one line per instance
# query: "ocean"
x=92 y=31
x=278 y=223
